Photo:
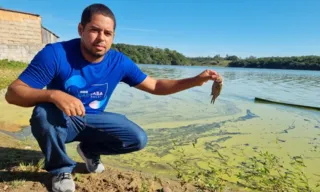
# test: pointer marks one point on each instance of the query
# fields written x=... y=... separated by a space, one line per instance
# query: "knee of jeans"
x=141 y=140
x=39 y=121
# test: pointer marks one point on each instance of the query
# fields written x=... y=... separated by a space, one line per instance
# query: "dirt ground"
x=111 y=180
x=21 y=171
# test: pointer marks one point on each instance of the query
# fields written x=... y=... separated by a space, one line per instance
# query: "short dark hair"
x=97 y=8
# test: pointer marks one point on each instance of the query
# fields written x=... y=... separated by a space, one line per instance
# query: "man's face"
x=97 y=36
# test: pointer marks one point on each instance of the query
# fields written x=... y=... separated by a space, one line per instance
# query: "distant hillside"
x=216 y=60
x=302 y=62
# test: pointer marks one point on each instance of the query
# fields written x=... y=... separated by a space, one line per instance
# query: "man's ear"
x=80 y=29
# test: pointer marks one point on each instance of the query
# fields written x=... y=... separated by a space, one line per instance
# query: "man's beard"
x=95 y=55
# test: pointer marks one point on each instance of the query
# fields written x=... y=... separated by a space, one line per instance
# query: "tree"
x=231 y=58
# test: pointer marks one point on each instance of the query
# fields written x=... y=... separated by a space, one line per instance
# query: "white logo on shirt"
x=97 y=93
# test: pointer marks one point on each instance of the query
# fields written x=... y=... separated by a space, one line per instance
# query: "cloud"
x=137 y=29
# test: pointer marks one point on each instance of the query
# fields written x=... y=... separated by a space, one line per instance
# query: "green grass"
x=9 y=64
x=17 y=183
x=9 y=71
x=261 y=172
x=31 y=167
x=144 y=185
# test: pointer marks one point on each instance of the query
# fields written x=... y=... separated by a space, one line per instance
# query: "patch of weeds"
x=184 y=171
x=40 y=164
x=17 y=183
x=31 y=167
x=145 y=185
x=261 y=172
x=212 y=179
x=77 y=177
x=9 y=71
x=265 y=172
x=215 y=177
x=10 y=64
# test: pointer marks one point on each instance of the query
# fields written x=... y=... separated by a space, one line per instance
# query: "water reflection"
x=162 y=72
x=230 y=75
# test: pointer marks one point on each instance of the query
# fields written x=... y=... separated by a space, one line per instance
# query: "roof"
x=50 y=31
x=20 y=12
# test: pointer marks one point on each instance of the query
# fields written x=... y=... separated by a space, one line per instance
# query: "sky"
x=244 y=28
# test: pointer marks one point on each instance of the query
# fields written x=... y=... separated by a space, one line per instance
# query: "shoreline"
x=22 y=157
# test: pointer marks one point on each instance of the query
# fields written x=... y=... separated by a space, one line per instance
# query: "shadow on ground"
x=25 y=164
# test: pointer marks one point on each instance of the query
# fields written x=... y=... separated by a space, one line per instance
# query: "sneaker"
x=63 y=183
x=93 y=163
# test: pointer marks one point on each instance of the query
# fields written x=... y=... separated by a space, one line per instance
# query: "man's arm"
x=21 y=94
x=27 y=90
x=169 y=86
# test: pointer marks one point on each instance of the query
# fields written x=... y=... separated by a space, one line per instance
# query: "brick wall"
x=48 y=37
x=19 y=28
x=24 y=53
x=20 y=35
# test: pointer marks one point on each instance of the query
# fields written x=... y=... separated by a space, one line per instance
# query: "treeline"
x=151 y=55
x=216 y=60
x=301 y=62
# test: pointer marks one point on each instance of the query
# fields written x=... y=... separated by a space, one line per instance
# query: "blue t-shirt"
x=61 y=66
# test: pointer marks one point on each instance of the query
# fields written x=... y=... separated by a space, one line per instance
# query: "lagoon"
x=235 y=125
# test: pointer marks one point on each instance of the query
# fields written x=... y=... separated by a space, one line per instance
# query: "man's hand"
x=70 y=105
x=205 y=76
x=170 y=86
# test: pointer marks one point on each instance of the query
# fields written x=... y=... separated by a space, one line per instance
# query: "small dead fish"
x=216 y=88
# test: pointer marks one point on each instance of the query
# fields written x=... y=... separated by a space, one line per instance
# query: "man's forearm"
x=167 y=86
x=25 y=96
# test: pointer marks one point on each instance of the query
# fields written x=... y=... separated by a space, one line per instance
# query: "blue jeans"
x=106 y=133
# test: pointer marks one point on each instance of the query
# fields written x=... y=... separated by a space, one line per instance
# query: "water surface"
x=235 y=124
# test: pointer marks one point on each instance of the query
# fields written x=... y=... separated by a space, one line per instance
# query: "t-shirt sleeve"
x=132 y=73
x=41 y=69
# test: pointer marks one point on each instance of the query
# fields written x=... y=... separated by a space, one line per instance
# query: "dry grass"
x=9 y=71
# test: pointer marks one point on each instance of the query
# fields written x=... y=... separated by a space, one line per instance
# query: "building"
x=22 y=35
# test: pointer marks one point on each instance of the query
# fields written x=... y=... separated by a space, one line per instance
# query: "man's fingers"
x=79 y=111
x=67 y=112
x=214 y=77
x=73 y=112
x=83 y=110
x=211 y=72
